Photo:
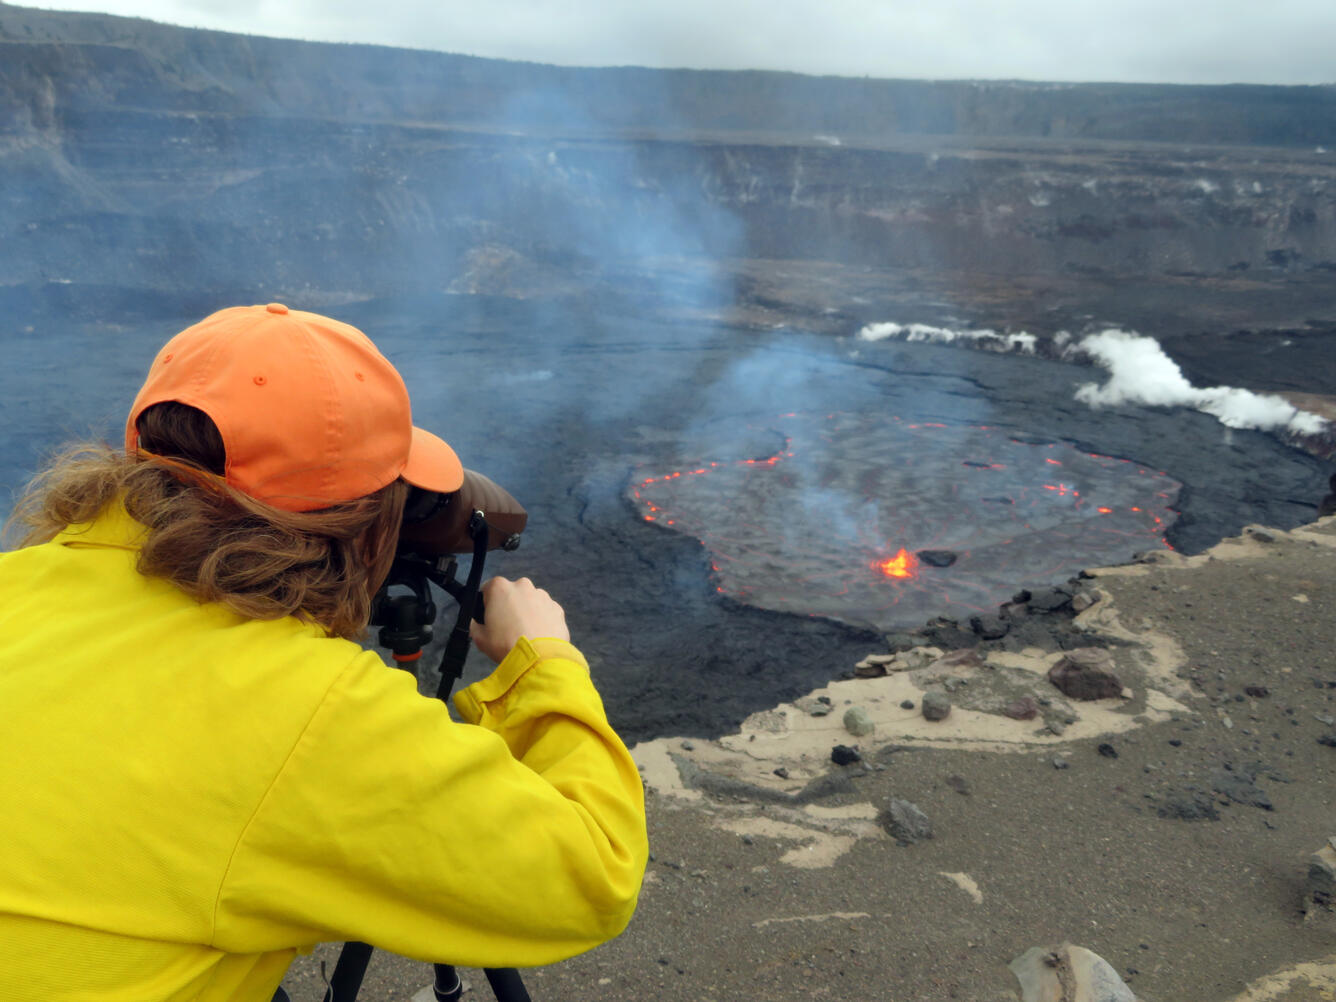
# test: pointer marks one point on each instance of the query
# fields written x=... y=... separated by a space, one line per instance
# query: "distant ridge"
x=92 y=61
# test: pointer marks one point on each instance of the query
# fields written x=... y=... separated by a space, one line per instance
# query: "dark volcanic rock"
x=1320 y=884
x=1086 y=673
x=1049 y=599
x=1190 y=804
x=1240 y=787
x=937 y=558
x=905 y=822
x=844 y=755
x=990 y=627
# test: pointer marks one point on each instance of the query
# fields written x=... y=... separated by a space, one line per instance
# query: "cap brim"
x=432 y=465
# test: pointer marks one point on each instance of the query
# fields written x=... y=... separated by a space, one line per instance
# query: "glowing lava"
x=799 y=514
x=903 y=565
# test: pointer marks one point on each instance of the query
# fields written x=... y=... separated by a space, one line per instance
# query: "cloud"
x=1192 y=41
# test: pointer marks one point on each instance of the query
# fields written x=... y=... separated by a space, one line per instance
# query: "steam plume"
x=988 y=339
x=1141 y=373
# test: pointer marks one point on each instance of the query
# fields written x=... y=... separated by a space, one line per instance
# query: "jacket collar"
x=113 y=527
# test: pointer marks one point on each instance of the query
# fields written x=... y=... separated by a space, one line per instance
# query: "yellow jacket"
x=191 y=797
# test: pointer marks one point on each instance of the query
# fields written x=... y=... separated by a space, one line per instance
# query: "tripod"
x=406 y=623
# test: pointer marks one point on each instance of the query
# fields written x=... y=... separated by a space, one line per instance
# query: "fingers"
x=516 y=609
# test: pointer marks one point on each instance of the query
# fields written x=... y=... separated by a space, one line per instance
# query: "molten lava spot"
x=903 y=565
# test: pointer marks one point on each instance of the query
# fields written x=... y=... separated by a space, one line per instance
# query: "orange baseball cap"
x=310 y=412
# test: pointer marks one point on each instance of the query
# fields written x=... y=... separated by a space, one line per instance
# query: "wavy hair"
x=214 y=542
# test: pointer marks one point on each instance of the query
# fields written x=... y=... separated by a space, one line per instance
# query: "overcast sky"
x=1167 y=41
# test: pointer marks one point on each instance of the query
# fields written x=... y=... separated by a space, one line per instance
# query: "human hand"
x=516 y=609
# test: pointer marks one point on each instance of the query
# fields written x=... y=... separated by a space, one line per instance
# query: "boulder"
x=1025 y=708
x=1086 y=673
x=936 y=706
x=857 y=722
x=1068 y=973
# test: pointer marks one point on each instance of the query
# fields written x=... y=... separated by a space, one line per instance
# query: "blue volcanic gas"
x=887 y=522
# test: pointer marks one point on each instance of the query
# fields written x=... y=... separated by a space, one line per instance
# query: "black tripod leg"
x=506 y=984
x=348 y=973
x=447 y=985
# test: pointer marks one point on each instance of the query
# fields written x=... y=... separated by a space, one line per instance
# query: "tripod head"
x=479 y=517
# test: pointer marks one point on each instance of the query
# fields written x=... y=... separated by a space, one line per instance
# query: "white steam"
x=1023 y=343
x=1141 y=373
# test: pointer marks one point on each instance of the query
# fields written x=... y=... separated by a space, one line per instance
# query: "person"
x=205 y=774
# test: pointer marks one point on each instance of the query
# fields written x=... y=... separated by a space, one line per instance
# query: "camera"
x=479 y=517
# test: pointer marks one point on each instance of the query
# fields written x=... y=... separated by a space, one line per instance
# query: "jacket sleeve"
x=514 y=840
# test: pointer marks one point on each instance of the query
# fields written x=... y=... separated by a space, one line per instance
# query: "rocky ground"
x=1168 y=828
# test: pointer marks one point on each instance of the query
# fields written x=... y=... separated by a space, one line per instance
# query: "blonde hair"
x=212 y=541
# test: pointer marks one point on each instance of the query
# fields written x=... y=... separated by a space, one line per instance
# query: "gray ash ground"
x=562 y=405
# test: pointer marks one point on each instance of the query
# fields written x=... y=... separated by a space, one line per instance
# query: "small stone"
x=905 y=823
x=1056 y=727
x=966 y=657
x=857 y=722
x=936 y=706
x=1107 y=750
x=902 y=641
x=782 y=773
x=1060 y=763
x=1025 y=708
x=919 y=657
x=1329 y=740
x=844 y=755
x=1257 y=691
x=865 y=670
x=906 y=704
x=1082 y=601
x=959 y=784
x=688 y=746
x=1175 y=742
